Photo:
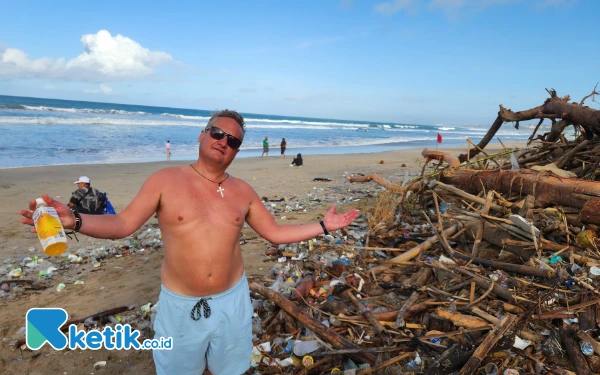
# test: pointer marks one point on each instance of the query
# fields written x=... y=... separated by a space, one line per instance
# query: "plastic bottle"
x=49 y=229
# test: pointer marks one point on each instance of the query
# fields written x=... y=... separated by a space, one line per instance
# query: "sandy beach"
x=135 y=280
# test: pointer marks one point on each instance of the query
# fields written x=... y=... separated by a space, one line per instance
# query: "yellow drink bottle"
x=49 y=229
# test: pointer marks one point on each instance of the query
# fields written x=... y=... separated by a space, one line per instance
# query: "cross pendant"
x=221 y=190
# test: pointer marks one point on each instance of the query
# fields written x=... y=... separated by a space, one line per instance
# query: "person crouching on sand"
x=297 y=161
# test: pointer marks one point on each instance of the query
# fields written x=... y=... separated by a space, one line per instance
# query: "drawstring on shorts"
x=196 y=313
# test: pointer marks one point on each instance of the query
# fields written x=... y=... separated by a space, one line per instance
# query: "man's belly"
x=201 y=270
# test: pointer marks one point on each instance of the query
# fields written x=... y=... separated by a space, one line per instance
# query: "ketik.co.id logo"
x=44 y=325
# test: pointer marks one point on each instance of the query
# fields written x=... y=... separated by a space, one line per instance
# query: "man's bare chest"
x=205 y=203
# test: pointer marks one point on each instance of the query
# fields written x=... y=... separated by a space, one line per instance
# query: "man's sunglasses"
x=219 y=134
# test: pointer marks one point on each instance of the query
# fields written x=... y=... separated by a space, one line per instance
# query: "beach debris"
x=472 y=268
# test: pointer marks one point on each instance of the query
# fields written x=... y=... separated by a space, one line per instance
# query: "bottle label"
x=47 y=224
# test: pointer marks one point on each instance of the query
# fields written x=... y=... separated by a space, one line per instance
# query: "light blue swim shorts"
x=213 y=331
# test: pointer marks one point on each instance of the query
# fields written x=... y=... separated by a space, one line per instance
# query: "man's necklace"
x=220 y=189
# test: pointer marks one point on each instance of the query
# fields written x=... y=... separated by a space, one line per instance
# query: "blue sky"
x=403 y=61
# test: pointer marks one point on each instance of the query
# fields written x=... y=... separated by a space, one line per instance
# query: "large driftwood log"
x=325 y=333
x=590 y=212
x=485 y=140
x=554 y=108
x=546 y=187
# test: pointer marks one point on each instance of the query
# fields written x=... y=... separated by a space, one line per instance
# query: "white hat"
x=83 y=179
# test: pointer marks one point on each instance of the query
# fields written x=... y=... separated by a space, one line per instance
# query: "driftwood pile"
x=483 y=267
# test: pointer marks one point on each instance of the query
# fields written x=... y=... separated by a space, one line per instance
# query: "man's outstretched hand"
x=64 y=212
x=334 y=221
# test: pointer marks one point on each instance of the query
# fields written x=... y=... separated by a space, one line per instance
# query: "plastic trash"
x=444 y=259
x=595 y=271
x=415 y=364
x=350 y=365
x=256 y=326
x=60 y=287
x=307 y=361
x=301 y=348
x=524 y=224
x=343 y=260
x=510 y=371
x=146 y=308
x=491 y=369
x=513 y=161
x=556 y=259
x=15 y=272
x=586 y=348
x=99 y=365
x=520 y=343
x=289 y=347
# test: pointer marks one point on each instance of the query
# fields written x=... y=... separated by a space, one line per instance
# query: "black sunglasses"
x=219 y=134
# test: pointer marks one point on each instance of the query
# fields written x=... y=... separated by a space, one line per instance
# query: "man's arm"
x=143 y=205
x=263 y=223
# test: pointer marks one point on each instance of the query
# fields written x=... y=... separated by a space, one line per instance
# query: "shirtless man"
x=204 y=301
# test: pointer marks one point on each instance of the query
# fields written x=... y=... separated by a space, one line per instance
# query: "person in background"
x=86 y=199
x=204 y=303
x=168 y=148
x=265 y=148
x=297 y=161
x=283 y=146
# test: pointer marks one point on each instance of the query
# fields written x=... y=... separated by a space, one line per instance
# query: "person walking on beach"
x=265 y=147
x=168 y=148
x=204 y=303
x=283 y=146
x=86 y=199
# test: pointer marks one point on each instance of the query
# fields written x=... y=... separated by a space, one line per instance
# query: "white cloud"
x=447 y=5
x=104 y=89
x=394 y=6
x=105 y=58
x=49 y=87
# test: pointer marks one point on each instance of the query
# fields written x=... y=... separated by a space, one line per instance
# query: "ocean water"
x=39 y=132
